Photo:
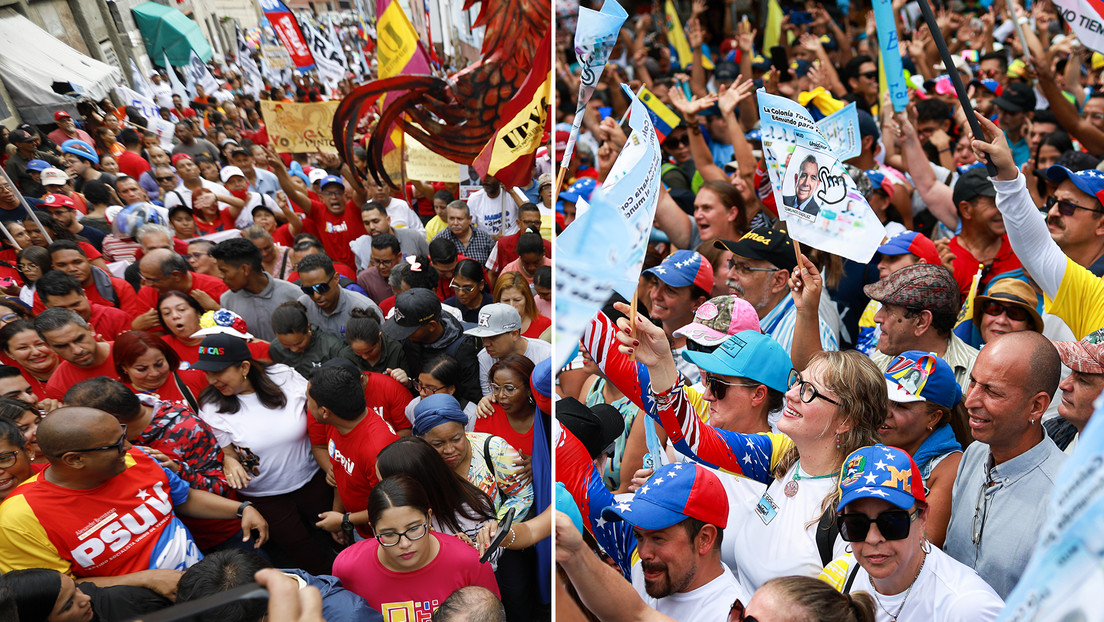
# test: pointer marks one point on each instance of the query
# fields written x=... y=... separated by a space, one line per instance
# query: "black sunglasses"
x=892 y=524
x=736 y=613
x=319 y=288
x=1014 y=313
x=719 y=387
x=870 y=75
x=169 y=178
x=1066 y=208
x=676 y=142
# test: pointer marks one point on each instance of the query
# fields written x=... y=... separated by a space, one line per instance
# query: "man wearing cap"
x=673 y=527
x=253 y=293
x=260 y=181
x=762 y=261
x=333 y=220
x=499 y=327
x=190 y=181
x=34 y=169
x=1015 y=106
x=233 y=177
x=26 y=149
x=920 y=304
x=426 y=332
x=83 y=160
x=162 y=90
x=1078 y=232
x=470 y=241
x=1080 y=389
x=131 y=161
x=67 y=129
x=64 y=211
x=353 y=436
x=190 y=145
x=982 y=239
x=72 y=339
x=996 y=508
x=679 y=286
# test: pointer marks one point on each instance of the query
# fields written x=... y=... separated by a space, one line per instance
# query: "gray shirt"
x=334 y=323
x=256 y=309
x=998 y=511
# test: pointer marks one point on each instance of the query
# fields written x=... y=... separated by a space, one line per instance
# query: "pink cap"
x=718 y=318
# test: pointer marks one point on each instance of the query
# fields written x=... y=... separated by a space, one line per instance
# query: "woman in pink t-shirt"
x=408 y=567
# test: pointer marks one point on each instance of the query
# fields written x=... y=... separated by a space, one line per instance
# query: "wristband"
x=241 y=508
x=346 y=524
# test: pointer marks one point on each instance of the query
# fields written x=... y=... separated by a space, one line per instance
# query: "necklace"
x=791 y=486
x=894 y=616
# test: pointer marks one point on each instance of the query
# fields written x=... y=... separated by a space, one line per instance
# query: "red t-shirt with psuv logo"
x=336 y=232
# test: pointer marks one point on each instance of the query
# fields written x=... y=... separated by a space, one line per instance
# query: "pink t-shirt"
x=411 y=596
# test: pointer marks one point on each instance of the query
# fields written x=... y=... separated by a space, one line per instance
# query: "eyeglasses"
x=382 y=263
x=980 y=510
x=151 y=280
x=166 y=178
x=9 y=317
x=1066 y=208
x=806 y=391
x=332 y=193
x=746 y=270
x=467 y=289
x=1094 y=116
x=118 y=446
x=719 y=387
x=1014 y=313
x=196 y=255
x=8 y=459
x=390 y=538
x=23 y=267
x=870 y=75
x=677 y=142
x=318 y=288
x=505 y=389
x=892 y=524
x=736 y=613
x=427 y=389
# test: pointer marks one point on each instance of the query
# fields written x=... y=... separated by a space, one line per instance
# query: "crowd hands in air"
x=224 y=364
x=790 y=435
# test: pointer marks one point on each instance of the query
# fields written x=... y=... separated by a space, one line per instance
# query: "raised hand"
x=731 y=95
x=995 y=145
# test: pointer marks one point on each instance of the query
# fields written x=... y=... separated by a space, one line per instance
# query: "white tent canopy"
x=32 y=60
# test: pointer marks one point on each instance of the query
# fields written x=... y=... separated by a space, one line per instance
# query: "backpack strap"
x=826 y=533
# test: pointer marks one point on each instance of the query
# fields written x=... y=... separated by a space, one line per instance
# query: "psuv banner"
x=288 y=32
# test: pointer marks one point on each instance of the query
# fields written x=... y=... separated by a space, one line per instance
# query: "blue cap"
x=37 y=165
x=581 y=188
x=916 y=376
x=81 y=149
x=747 y=354
x=800 y=67
x=684 y=268
x=881 y=472
x=674 y=493
x=1090 y=181
x=330 y=179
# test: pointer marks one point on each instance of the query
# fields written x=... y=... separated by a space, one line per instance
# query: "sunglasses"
x=719 y=387
x=870 y=75
x=736 y=613
x=677 y=142
x=1067 y=208
x=892 y=524
x=467 y=289
x=319 y=288
x=1014 y=313
x=169 y=178
x=118 y=446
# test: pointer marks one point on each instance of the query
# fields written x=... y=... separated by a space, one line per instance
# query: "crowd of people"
x=219 y=359
x=768 y=431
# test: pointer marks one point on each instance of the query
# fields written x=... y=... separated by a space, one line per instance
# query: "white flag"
x=177 y=87
x=253 y=81
x=197 y=74
x=327 y=58
x=139 y=80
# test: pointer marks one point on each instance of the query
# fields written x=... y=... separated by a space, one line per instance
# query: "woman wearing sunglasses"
x=883 y=514
x=469 y=290
x=1008 y=306
x=833 y=407
x=408 y=565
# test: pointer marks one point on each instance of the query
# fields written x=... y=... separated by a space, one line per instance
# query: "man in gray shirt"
x=1000 y=497
x=377 y=222
x=328 y=304
x=254 y=294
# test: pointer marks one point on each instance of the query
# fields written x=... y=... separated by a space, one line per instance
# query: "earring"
x=925 y=546
x=837 y=441
x=531 y=400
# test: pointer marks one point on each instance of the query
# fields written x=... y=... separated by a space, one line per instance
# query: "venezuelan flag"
x=677 y=37
x=663 y=118
x=964 y=325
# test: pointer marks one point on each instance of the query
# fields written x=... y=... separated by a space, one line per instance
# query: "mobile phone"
x=500 y=535
x=781 y=61
x=191 y=609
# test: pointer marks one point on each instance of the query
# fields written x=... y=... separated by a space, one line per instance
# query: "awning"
x=33 y=62
x=164 y=29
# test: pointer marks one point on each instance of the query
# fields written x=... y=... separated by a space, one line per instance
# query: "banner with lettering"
x=1086 y=18
x=300 y=128
x=288 y=32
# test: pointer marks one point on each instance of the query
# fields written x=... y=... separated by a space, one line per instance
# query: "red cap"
x=53 y=200
x=61 y=114
x=180 y=156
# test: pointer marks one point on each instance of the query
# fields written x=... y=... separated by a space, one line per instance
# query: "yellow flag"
x=677 y=37
x=397 y=41
x=773 y=32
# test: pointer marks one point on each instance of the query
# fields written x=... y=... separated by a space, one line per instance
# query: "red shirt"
x=67 y=374
x=966 y=265
x=128 y=298
x=388 y=399
x=215 y=288
x=507 y=249
x=336 y=232
x=132 y=164
x=353 y=457
x=193 y=379
x=498 y=425
x=109 y=322
x=225 y=222
x=537 y=327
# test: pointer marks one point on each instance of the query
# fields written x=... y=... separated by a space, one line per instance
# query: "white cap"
x=317 y=174
x=230 y=171
x=54 y=177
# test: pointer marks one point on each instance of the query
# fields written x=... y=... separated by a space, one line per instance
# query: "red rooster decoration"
x=457 y=115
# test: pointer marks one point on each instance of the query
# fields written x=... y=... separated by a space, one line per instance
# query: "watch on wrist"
x=241 y=508
x=346 y=524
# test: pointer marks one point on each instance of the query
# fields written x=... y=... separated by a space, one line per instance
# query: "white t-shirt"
x=709 y=603
x=946 y=591
x=487 y=213
x=769 y=538
x=402 y=215
x=278 y=437
x=245 y=218
x=537 y=350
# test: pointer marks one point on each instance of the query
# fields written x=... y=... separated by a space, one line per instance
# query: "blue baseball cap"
x=674 y=493
x=80 y=149
x=37 y=165
x=1090 y=181
x=747 y=354
x=581 y=188
x=330 y=179
x=684 y=268
x=916 y=376
x=881 y=472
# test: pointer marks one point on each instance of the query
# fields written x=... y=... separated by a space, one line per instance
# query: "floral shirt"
x=499 y=480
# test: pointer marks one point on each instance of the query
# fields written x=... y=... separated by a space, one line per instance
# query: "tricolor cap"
x=330 y=179
x=1090 y=181
x=912 y=242
x=582 y=188
x=916 y=376
x=674 y=493
x=879 y=181
x=750 y=355
x=684 y=268
x=881 y=472
x=718 y=318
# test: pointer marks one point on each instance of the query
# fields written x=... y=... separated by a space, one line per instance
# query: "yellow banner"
x=300 y=128
x=397 y=41
x=424 y=165
x=522 y=134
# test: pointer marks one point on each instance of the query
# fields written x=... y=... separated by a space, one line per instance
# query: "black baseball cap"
x=596 y=426
x=1016 y=97
x=972 y=184
x=766 y=243
x=414 y=308
x=219 y=351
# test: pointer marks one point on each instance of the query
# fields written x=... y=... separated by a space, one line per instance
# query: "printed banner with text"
x=300 y=128
x=1086 y=18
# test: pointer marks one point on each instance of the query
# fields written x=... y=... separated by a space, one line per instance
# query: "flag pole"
x=26 y=206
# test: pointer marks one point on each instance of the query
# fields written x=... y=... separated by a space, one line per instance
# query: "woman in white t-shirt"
x=883 y=513
x=258 y=415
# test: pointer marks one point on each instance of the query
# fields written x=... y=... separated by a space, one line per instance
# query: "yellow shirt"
x=1079 y=301
x=433 y=227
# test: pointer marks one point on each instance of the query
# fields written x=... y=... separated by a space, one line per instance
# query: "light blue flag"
x=841 y=129
x=139 y=79
x=890 y=49
x=595 y=36
x=1065 y=577
x=177 y=87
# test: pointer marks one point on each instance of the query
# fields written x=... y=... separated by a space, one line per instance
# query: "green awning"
x=164 y=29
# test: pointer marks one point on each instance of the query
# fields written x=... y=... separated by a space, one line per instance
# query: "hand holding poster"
x=816 y=197
x=300 y=128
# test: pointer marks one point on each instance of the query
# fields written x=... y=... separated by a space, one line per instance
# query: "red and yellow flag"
x=398 y=51
x=509 y=154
